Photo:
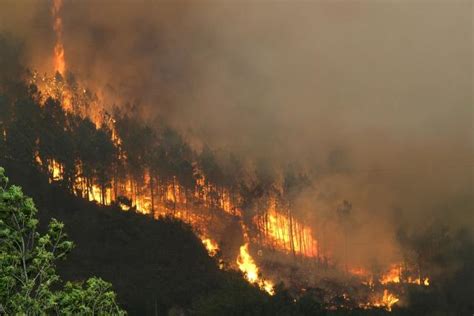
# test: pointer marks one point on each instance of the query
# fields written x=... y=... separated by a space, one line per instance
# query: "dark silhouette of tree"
x=214 y=176
x=175 y=162
x=105 y=154
x=22 y=135
x=294 y=183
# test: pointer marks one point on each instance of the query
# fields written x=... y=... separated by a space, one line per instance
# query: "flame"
x=358 y=271
x=287 y=234
x=387 y=301
x=59 y=60
x=419 y=281
x=247 y=265
x=363 y=274
x=211 y=246
x=392 y=276
x=55 y=170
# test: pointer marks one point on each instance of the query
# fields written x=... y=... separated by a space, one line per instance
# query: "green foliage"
x=94 y=297
x=28 y=277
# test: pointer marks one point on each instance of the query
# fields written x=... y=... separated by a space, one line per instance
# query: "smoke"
x=373 y=99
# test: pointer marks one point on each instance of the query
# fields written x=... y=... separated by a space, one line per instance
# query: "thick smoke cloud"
x=374 y=99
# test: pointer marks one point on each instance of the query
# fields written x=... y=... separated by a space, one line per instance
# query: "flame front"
x=387 y=301
x=286 y=233
x=392 y=276
x=249 y=268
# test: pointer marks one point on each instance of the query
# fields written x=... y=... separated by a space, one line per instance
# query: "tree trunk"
x=152 y=211
x=102 y=192
x=174 y=196
x=290 y=218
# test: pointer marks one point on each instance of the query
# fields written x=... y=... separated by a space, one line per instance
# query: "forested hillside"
x=142 y=206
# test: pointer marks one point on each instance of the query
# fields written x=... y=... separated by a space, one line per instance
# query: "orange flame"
x=387 y=301
x=288 y=234
x=59 y=55
x=392 y=276
x=59 y=60
x=211 y=246
x=249 y=268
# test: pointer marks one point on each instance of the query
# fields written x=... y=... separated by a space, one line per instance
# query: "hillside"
x=154 y=265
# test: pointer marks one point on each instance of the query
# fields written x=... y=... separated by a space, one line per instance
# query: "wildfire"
x=59 y=55
x=387 y=301
x=419 y=281
x=287 y=233
x=281 y=231
x=249 y=268
x=393 y=275
x=59 y=60
x=55 y=170
x=211 y=246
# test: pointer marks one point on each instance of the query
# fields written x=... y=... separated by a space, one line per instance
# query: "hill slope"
x=153 y=265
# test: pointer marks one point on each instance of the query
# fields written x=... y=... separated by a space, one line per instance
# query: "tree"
x=83 y=134
x=173 y=162
x=11 y=53
x=214 y=175
x=4 y=107
x=105 y=158
x=22 y=133
x=28 y=278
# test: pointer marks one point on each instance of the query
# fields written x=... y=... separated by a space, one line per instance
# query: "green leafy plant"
x=29 y=284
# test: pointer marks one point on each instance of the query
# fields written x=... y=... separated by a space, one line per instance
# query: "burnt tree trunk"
x=152 y=195
x=290 y=218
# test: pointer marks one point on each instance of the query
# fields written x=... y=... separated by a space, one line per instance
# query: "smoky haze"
x=373 y=98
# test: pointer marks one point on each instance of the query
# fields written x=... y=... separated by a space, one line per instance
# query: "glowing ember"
x=249 y=268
